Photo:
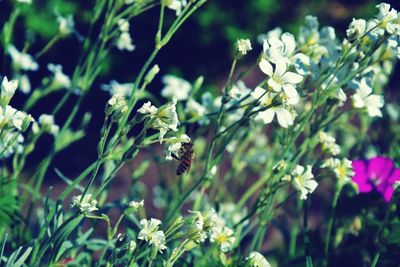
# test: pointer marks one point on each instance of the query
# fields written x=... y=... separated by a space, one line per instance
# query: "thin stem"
x=331 y=221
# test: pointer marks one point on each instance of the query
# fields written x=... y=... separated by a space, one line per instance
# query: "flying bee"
x=185 y=157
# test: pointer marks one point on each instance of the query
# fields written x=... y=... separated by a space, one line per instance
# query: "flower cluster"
x=151 y=234
x=124 y=41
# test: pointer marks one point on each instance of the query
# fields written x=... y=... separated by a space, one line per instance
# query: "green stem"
x=331 y=221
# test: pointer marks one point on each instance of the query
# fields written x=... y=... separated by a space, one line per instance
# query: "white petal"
x=374 y=101
x=291 y=77
x=285 y=118
x=277 y=87
x=358 y=101
x=290 y=43
x=266 y=67
x=258 y=92
x=293 y=96
x=280 y=67
x=266 y=116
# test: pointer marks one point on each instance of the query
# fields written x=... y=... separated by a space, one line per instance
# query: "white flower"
x=24 y=84
x=284 y=116
x=22 y=60
x=239 y=90
x=123 y=25
x=47 y=123
x=136 y=205
x=7 y=91
x=176 y=5
x=175 y=144
x=197 y=233
x=117 y=105
x=10 y=117
x=195 y=109
x=224 y=237
x=87 y=204
x=11 y=142
x=60 y=80
x=148 y=109
x=343 y=169
x=364 y=99
x=163 y=119
x=175 y=87
x=124 y=42
x=115 y=87
x=303 y=180
x=66 y=25
x=280 y=78
x=256 y=259
x=243 y=46
x=279 y=48
x=151 y=234
x=329 y=143
x=388 y=18
x=356 y=28
x=158 y=241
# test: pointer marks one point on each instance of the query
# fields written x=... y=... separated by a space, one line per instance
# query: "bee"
x=185 y=158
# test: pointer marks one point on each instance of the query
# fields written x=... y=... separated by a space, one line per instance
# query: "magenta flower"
x=378 y=174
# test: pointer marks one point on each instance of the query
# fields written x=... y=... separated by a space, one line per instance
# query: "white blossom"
x=364 y=98
x=115 y=87
x=8 y=89
x=22 y=60
x=60 y=80
x=357 y=28
x=175 y=87
x=343 y=169
x=124 y=42
x=148 y=109
x=151 y=234
x=224 y=237
x=176 y=5
x=87 y=204
x=243 y=46
x=136 y=205
x=66 y=25
x=388 y=18
x=256 y=259
x=303 y=180
x=123 y=25
x=280 y=79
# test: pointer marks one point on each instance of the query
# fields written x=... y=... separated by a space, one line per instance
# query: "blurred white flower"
x=60 y=80
x=195 y=109
x=239 y=90
x=8 y=89
x=175 y=87
x=303 y=180
x=364 y=98
x=10 y=118
x=151 y=234
x=284 y=116
x=115 y=87
x=47 y=124
x=224 y=237
x=388 y=18
x=256 y=259
x=136 y=205
x=24 y=84
x=243 y=46
x=124 y=42
x=25 y=1
x=123 y=25
x=22 y=60
x=87 y=204
x=117 y=105
x=343 y=169
x=176 y=5
x=356 y=28
x=329 y=143
x=148 y=109
x=66 y=25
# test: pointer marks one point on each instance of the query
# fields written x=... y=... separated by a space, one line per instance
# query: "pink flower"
x=378 y=174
